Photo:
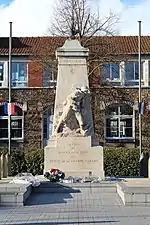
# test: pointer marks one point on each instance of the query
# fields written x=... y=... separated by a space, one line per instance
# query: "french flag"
x=142 y=108
x=9 y=109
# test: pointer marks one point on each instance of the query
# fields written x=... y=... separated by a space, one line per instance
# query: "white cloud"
x=29 y=17
x=32 y=17
x=134 y=13
x=129 y=15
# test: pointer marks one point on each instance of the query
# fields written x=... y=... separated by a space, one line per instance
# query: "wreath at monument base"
x=54 y=175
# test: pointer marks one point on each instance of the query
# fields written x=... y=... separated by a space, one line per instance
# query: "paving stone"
x=89 y=206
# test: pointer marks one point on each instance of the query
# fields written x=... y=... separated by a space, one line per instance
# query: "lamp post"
x=140 y=116
x=9 y=90
x=9 y=83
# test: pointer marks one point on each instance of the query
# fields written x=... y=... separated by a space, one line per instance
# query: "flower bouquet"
x=54 y=175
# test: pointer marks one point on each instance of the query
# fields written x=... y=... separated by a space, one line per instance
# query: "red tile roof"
x=48 y=45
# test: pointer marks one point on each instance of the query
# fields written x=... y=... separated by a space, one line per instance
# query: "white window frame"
x=122 y=74
x=22 y=118
x=134 y=80
x=52 y=82
x=148 y=72
x=2 y=64
x=117 y=80
x=16 y=117
x=119 y=117
x=21 y=61
x=5 y=74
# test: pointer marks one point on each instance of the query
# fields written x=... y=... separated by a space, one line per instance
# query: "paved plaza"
x=92 y=205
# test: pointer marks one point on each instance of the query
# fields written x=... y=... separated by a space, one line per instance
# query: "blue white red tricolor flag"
x=142 y=108
x=9 y=109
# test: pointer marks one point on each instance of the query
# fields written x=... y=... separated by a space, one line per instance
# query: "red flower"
x=54 y=170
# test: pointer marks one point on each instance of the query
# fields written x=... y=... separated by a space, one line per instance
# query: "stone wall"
x=39 y=99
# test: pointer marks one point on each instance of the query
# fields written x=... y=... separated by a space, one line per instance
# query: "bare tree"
x=75 y=18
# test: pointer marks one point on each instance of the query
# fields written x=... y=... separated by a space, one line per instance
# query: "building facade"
x=114 y=82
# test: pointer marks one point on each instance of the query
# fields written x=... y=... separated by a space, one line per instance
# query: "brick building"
x=113 y=81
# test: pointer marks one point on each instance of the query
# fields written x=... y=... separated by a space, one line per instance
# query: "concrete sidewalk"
x=85 y=206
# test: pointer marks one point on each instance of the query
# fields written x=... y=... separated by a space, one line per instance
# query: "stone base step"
x=14 y=194
x=49 y=187
x=134 y=192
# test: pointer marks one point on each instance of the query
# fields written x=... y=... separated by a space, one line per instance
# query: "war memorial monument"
x=73 y=147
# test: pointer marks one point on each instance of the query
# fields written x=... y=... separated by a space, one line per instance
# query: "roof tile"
x=47 y=45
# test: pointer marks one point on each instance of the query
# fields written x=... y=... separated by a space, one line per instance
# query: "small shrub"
x=28 y=161
x=18 y=164
x=122 y=161
x=34 y=161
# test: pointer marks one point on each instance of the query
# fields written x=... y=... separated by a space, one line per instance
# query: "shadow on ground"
x=51 y=193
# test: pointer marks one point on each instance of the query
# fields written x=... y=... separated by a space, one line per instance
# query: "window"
x=16 y=124
x=1 y=73
x=47 y=125
x=119 y=122
x=132 y=73
x=111 y=72
x=16 y=127
x=19 y=74
x=149 y=72
x=49 y=77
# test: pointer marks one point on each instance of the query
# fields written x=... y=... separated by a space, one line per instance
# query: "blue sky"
x=125 y=1
x=5 y=1
x=33 y=17
x=130 y=1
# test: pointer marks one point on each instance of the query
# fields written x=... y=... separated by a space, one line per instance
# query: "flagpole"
x=9 y=75
x=140 y=116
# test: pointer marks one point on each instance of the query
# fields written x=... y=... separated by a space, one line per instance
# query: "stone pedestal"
x=76 y=156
